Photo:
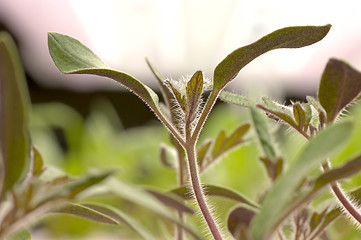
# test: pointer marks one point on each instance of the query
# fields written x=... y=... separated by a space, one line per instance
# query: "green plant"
x=185 y=112
x=29 y=190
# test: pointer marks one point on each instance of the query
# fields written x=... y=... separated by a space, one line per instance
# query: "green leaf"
x=14 y=104
x=147 y=200
x=218 y=143
x=325 y=144
x=300 y=116
x=279 y=112
x=37 y=162
x=22 y=234
x=209 y=152
x=104 y=214
x=350 y=168
x=217 y=191
x=340 y=85
x=329 y=218
x=235 y=99
x=203 y=152
x=167 y=156
x=71 y=56
x=263 y=134
x=63 y=187
x=317 y=219
x=289 y=37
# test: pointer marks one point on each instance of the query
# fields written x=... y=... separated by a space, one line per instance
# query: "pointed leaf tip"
x=70 y=55
x=340 y=85
x=289 y=37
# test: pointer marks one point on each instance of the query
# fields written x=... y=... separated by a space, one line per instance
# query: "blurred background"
x=84 y=122
x=179 y=37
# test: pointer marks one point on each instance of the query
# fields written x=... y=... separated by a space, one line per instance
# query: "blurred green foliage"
x=99 y=141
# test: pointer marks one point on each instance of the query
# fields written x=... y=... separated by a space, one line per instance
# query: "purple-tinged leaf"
x=340 y=85
x=194 y=92
x=239 y=221
x=143 y=198
x=300 y=116
x=181 y=100
x=171 y=201
x=350 y=168
x=289 y=37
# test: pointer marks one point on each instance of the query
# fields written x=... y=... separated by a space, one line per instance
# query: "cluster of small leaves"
x=340 y=86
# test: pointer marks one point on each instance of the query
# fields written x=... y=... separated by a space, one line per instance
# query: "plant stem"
x=342 y=198
x=180 y=156
x=198 y=191
x=207 y=109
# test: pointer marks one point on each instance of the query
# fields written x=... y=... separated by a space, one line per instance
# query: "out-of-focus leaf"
x=274 y=169
x=317 y=219
x=325 y=144
x=216 y=191
x=22 y=234
x=289 y=37
x=235 y=99
x=171 y=201
x=329 y=218
x=263 y=134
x=218 y=142
x=37 y=162
x=71 y=56
x=14 y=104
x=69 y=189
x=239 y=220
x=104 y=214
x=340 y=85
x=147 y=200
x=203 y=151
x=167 y=156
x=221 y=145
x=350 y=168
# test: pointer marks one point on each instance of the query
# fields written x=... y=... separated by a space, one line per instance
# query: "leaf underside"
x=340 y=85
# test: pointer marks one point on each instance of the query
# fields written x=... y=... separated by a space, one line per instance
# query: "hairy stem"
x=342 y=198
x=179 y=230
x=207 y=109
x=198 y=192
